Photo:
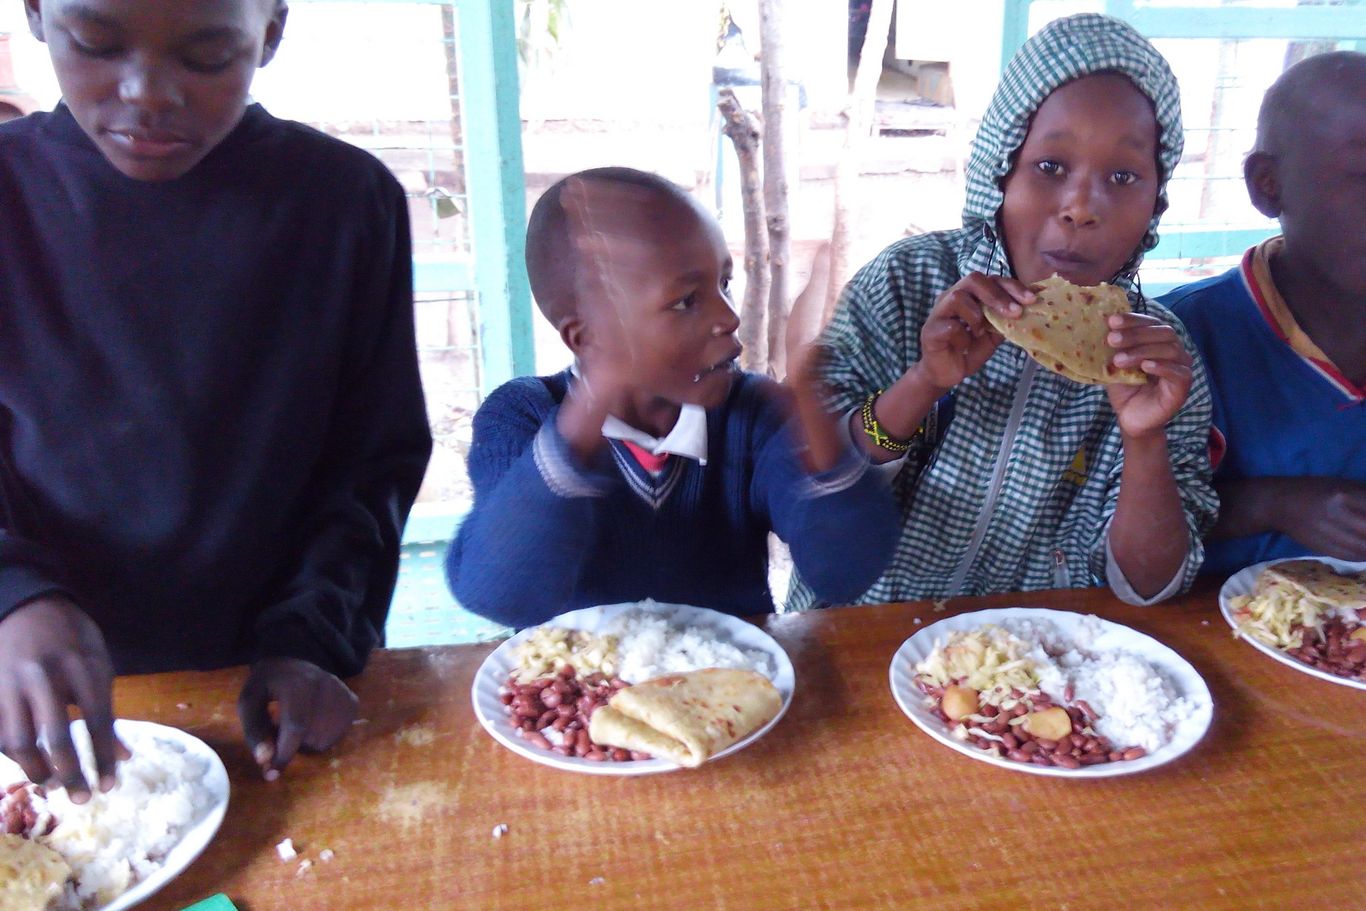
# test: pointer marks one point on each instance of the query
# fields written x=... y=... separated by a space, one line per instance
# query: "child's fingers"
x=49 y=710
x=253 y=711
x=19 y=737
x=91 y=687
x=1132 y=357
x=292 y=720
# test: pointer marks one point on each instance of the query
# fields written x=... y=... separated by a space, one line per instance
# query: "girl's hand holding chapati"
x=1148 y=344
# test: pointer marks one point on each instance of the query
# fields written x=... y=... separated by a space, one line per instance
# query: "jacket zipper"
x=997 y=477
x=1062 y=577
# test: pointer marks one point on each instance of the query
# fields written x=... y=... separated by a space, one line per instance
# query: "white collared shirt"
x=688 y=438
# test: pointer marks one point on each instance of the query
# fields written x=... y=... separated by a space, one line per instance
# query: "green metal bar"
x=494 y=176
x=1206 y=243
x=1297 y=23
x=1014 y=30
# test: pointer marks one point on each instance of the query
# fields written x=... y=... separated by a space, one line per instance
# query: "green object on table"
x=219 y=902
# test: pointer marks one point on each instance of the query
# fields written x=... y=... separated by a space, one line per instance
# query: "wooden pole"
x=744 y=132
x=774 y=88
x=858 y=124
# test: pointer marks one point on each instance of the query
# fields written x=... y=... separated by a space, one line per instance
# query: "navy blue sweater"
x=211 y=422
x=546 y=536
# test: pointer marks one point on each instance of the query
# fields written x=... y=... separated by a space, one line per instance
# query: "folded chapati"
x=32 y=876
x=687 y=718
x=1065 y=329
x=1319 y=581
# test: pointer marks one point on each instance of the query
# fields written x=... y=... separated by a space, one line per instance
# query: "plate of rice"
x=125 y=845
x=611 y=646
x=995 y=684
x=1283 y=616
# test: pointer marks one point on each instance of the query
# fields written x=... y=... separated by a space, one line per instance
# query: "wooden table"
x=845 y=804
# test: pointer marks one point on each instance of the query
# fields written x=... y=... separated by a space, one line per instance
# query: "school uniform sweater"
x=548 y=535
x=211 y=423
x=1282 y=408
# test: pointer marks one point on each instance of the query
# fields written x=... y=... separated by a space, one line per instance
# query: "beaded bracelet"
x=875 y=432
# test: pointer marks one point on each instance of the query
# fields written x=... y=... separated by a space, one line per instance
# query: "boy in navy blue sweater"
x=654 y=468
x=211 y=422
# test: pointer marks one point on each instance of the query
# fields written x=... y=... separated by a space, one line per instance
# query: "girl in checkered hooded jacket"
x=1011 y=477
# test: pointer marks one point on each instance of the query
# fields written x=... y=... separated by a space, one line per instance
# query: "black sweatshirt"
x=211 y=420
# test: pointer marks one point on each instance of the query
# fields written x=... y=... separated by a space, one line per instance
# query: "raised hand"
x=956 y=339
x=1150 y=345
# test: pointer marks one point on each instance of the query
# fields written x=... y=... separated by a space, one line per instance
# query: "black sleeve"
x=332 y=599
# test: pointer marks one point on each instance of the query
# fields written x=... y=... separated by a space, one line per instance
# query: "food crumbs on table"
x=286 y=850
x=409 y=805
x=416 y=735
x=303 y=867
x=1204 y=623
x=182 y=705
x=916 y=621
x=500 y=830
x=326 y=855
x=334 y=764
x=596 y=881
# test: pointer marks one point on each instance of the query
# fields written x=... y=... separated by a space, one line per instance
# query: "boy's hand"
x=1152 y=346
x=52 y=655
x=956 y=339
x=313 y=707
x=820 y=429
x=1325 y=515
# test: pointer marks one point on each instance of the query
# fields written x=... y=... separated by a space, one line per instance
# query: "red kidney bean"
x=1065 y=761
x=551 y=697
x=1017 y=756
x=639 y=756
x=1135 y=753
x=1010 y=740
x=1048 y=745
x=536 y=738
x=595 y=756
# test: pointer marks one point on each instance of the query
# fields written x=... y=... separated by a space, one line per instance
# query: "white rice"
x=653 y=643
x=117 y=839
x=1137 y=703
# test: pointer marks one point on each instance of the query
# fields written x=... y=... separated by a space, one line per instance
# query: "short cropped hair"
x=551 y=261
x=1297 y=92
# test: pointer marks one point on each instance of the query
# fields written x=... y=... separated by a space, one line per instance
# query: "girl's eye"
x=683 y=304
x=1049 y=167
x=1124 y=178
x=725 y=285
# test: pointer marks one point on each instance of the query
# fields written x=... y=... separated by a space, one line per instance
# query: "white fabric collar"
x=688 y=438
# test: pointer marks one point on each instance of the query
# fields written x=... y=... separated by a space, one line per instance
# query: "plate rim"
x=785 y=682
x=1198 y=725
x=1239 y=583
x=198 y=836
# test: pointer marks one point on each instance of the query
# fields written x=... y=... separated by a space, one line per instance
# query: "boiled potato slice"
x=959 y=701
x=1050 y=724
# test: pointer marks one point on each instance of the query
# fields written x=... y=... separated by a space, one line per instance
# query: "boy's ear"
x=34 y=12
x=275 y=31
x=574 y=334
x=1263 y=183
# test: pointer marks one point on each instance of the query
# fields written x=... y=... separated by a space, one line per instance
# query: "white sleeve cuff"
x=1119 y=584
x=551 y=454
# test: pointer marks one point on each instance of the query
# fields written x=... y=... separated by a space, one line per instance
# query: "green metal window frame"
x=1345 y=23
x=496 y=184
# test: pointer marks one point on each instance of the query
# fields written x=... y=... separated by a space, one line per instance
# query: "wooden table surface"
x=844 y=804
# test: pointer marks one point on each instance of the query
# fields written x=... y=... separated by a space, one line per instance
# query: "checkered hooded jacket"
x=1013 y=482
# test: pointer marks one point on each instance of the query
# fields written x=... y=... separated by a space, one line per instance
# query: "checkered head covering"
x=1065 y=50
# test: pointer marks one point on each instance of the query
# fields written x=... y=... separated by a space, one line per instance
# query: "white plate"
x=1184 y=679
x=493 y=673
x=141 y=735
x=1242 y=583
